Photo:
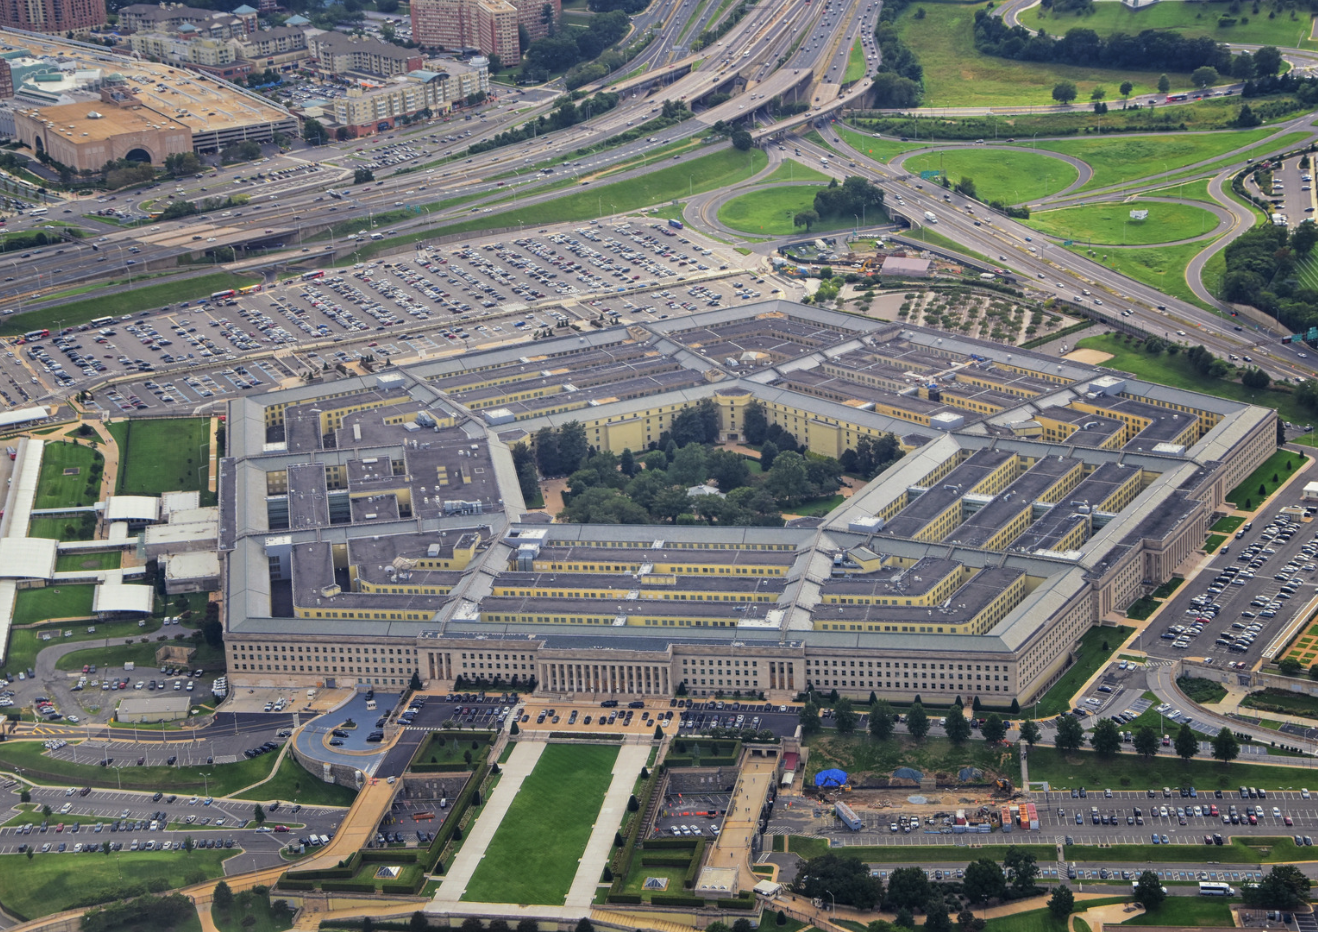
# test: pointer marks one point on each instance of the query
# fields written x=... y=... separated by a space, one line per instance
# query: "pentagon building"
x=374 y=526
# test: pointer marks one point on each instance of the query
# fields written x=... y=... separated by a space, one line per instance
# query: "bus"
x=311 y=276
x=38 y=212
x=35 y=335
x=100 y=322
x=1214 y=888
x=251 y=289
x=1171 y=98
x=221 y=295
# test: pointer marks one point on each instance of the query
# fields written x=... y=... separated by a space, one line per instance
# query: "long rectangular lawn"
x=533 y=855
x=163 y=456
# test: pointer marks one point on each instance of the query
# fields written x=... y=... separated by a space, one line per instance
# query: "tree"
x=1284 y=887
x=994 y=728
x=1226 y=746
x=314 y=133
x=881 y=720
x=222 y=897
x=658 y=732
x=917 y=721
x=809 y=718
x=1024 y=868
x=1069 y=733
x=1030 y=731
x=806 y=218
x=414 y=683
x=1149 y=892
x=1064 y=92
x=212 y=631
x=1126 y=88
x=846 y=878
x=1146 y=741
x=418 y=922
x=514 y=731
x=956 y=727
x=984 y=881
x=1098 y=93
x=585 y=925
x=1187 y=742
x=1204 y=76
x=1106 y=738
x=1164 y=84
x=259 y=815
x=741 y=140
x=908 y=888
x=1267 y=61
x=1062 y=901
x=1255 y=378
x=936 y=918
x=844 y=716
x=1247 y=118
x=362 y=176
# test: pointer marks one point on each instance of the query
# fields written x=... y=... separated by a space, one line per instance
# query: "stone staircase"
x=636 y=920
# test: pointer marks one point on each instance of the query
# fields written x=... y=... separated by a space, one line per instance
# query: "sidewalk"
x=626 y=770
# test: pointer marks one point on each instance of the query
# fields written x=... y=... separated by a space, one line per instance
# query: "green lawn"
x=1265 y=480
x=1084 y=768
x=65 y=527
x=1192 y=20
x=293 y=783
x=258 y=908
x=770 y=210
x=124 y=302
x=1201 y=690
x=1111 y=225
x=31 y=813
x=223 y=778
x=1227 y=524
x=817 y=507
x=1175 y=371
x=790 y=170
x=1089 y=657
x=557 y=806
x=1036 y=920
x=881 y=150
x=1187 y=191
x=66 y=476
x=26 y=643
x=1010 y=176
x=1213 y=542
x=49 y=883
x=1118 y=159
x=143 y=655
x=1141 y=609
x=167 y=455
x=1166 y=589
x=57 y=601
x=104 y=560
x=926 y=234
x=1187 y=911
x=1283 y=700
x=855 y=64
x=956 y=74
x=811 y=847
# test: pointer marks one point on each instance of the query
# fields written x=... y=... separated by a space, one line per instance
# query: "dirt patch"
x=1088 y=356
x=72 y=470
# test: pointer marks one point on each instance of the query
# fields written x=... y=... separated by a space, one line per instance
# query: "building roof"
x=896 y=265
x=27 y=557
x=132 y=508
x=196 y=564
x=151 y=705
x=117 y=597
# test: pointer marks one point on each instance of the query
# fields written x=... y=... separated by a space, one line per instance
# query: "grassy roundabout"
x=1191 y=20
x=1111 y=225
x=957 y=74
x=770 y=211
x=1013 y=177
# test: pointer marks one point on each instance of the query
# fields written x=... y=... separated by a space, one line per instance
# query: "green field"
x=1090 y=656
x=49 y=883
x=809 y=847
x=881 y=150
x=1274 y=466
x=1291 y=703
x=1193 y=20
x=1187 y=911
x=63 y=527
x=1186 y=190
x=1110 y=224
x=292 y=783
x=1084 y=768
x=1176 y=371
x=1007 y=175
x=1163 y=267
x=557 y=807
x=926 y=234
x=1227 y=524
x=770 y=211
x=143 y=655
x=855 y=64
x=222 y=778
x=26 y=643
x=1121 y=159
x=956 y=74
x=103 y=560
x=57 y=601
x=124 y=302
x=790 y=170
x=263 y=917
x=167 y=455
x=55 y=489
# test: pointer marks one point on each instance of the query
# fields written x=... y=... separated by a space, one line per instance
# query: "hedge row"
x=348 y=868
x=676 y=899
x=622 y=860
x=349 y=886
x=284 y=883
x=679 y=761
x=456 y=767
x=689 y=880
x=390 y=855
x=581 y=736
x=737 y=904
x=631 y=898
x=459 y=809
x=402 y=887
x=665 y=860
x=687 y=843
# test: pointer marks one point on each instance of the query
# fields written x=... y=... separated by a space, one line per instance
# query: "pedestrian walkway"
x=626 y=769
x=517 y=768
x=732 y=850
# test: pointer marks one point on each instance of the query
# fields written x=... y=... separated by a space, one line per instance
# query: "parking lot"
x=692 y=815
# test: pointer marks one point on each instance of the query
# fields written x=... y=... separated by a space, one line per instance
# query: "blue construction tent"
x=826 y=778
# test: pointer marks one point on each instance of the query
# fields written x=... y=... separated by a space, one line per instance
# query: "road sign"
x=1313 y=334
x=1068 y=242
x=927 y=175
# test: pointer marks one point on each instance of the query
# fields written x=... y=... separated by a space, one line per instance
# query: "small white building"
x=153 y=708
x=137 y=510
x=114 y=598
x=1310 y=493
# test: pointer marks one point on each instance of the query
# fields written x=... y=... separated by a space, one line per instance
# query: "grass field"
x=1187 y=911
x=1110 y=224
x=1175 y=371
x=1291 y=703
x=60 y=601
x=1265 y=480
x=1201 y=690
x=881 y=150
x=62 y=527
x=263 y=918
x=105 y=560
x=1193 y=20
x=1227 y=524
x=1083 y=768
x=163 y=456
x=49 y=883
x=143 y=655
x=26 y=643
x=557 y=807
x=1120 y=159
x=790 y=170
x=124 y=302
x=855 y=64
x=1186 y=190
x=1035 y=920
x=1089 y=657
x=1163 y=267
x=1013 y=177
x=812 y=847
x=958 y=75
x=223 y=778
x=55 y=489
x=770 y=211
x=934 y=238
x=292 y=783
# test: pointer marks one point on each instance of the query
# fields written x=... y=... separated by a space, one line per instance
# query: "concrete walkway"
x=732 y=849
x=518 y=767
x=631 y=758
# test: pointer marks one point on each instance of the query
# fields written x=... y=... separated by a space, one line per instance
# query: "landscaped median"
x=1096 y=648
